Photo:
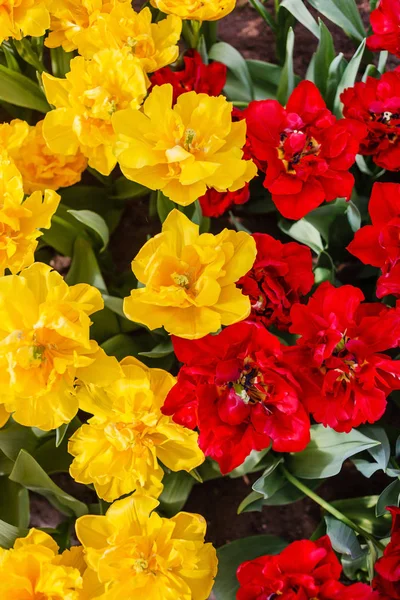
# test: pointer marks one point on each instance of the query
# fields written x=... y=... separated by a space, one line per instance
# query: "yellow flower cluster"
x=19 y=18
x=194 y=146
x=45 y=345
x=131 y=552
x=198 y=10
x=137 y=555
x=189 y=279
x=118 y=449
x=20 y=220
x=86 y=100
x=33 y=570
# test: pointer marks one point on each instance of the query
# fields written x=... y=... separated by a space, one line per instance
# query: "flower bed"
x=249 y=353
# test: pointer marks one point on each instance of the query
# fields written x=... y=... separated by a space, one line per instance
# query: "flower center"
x=188 y=139
x=295 y=146
x=140 y=565
x=181 y=279
x=251 y=386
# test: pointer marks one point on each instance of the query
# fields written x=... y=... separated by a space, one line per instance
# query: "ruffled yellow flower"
x=19 y=18
x=118 y=449
x=33 y=570
x=40 y=168
x=85 y=101
x=185 y=149
x=4 y=416
x=44 y=345
x=20 y=220
x=155 y=44
x=138 y=555
x=198 y=10
x=70 y=18
x=189 y=279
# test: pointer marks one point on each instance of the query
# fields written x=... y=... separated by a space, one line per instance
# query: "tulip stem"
x=329 y=508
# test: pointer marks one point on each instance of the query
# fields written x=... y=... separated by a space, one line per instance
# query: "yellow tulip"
x=118 y=449
x=40 y=168
x=19 y=18
x=20 y=220
x=182 y=149
x=189 y=279
x=70 y=19
x=198 y=10
x=139 y=555
x=45 y=345
x=34 y=570
x=85 y=101
x=154 y=44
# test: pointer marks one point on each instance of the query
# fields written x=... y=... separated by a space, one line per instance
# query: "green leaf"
x=234 y=554
x=124 y=189
x=84 y=267
x=14 y=437
x=304 y=232
x=164 y=206
x=115 y=304
x=287 y=82
x=60 y=61
x=94 y=222
x=22 y=91
x=9 y=533
x=343 y=13
x=389 y=497
x=60 y=433
x=121 y=345
x=302 y=14
x=253 y=463
x=30 y=474
x=254 y=502
x=348 y=78
x=270 y=481
x=177 y=487
x=380 y=453
x=14 y=503
x=362 y=512
x=10 y=56
x=322 y=59
x=159 y=351
x=335 y=74
x=327 y=451
x=264 y=14
x=343 y=538
x=28 y=54
x=265 y=77
x=323 y=217
x=229 y=56
x=353 y=216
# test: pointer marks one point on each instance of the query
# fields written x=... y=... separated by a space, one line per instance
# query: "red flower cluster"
x=197 y=76
x=305 y=570
x=379 y=244
x=280 y=277
x=376 y=103
x=338 y=361
x=385 y=22
x=236 y=389
x=214 y=204
x=304 y=150
x=387 y=579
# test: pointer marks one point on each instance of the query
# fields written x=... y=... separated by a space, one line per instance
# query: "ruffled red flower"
x=379 y=244
x=195 y=76
x=387 y=579
x=280 y=277
x=376 y=103
x=214 y=204
x=385 y=23
x=304 y=150
x=338 y=359
x=304 y=570
x=243 y=396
